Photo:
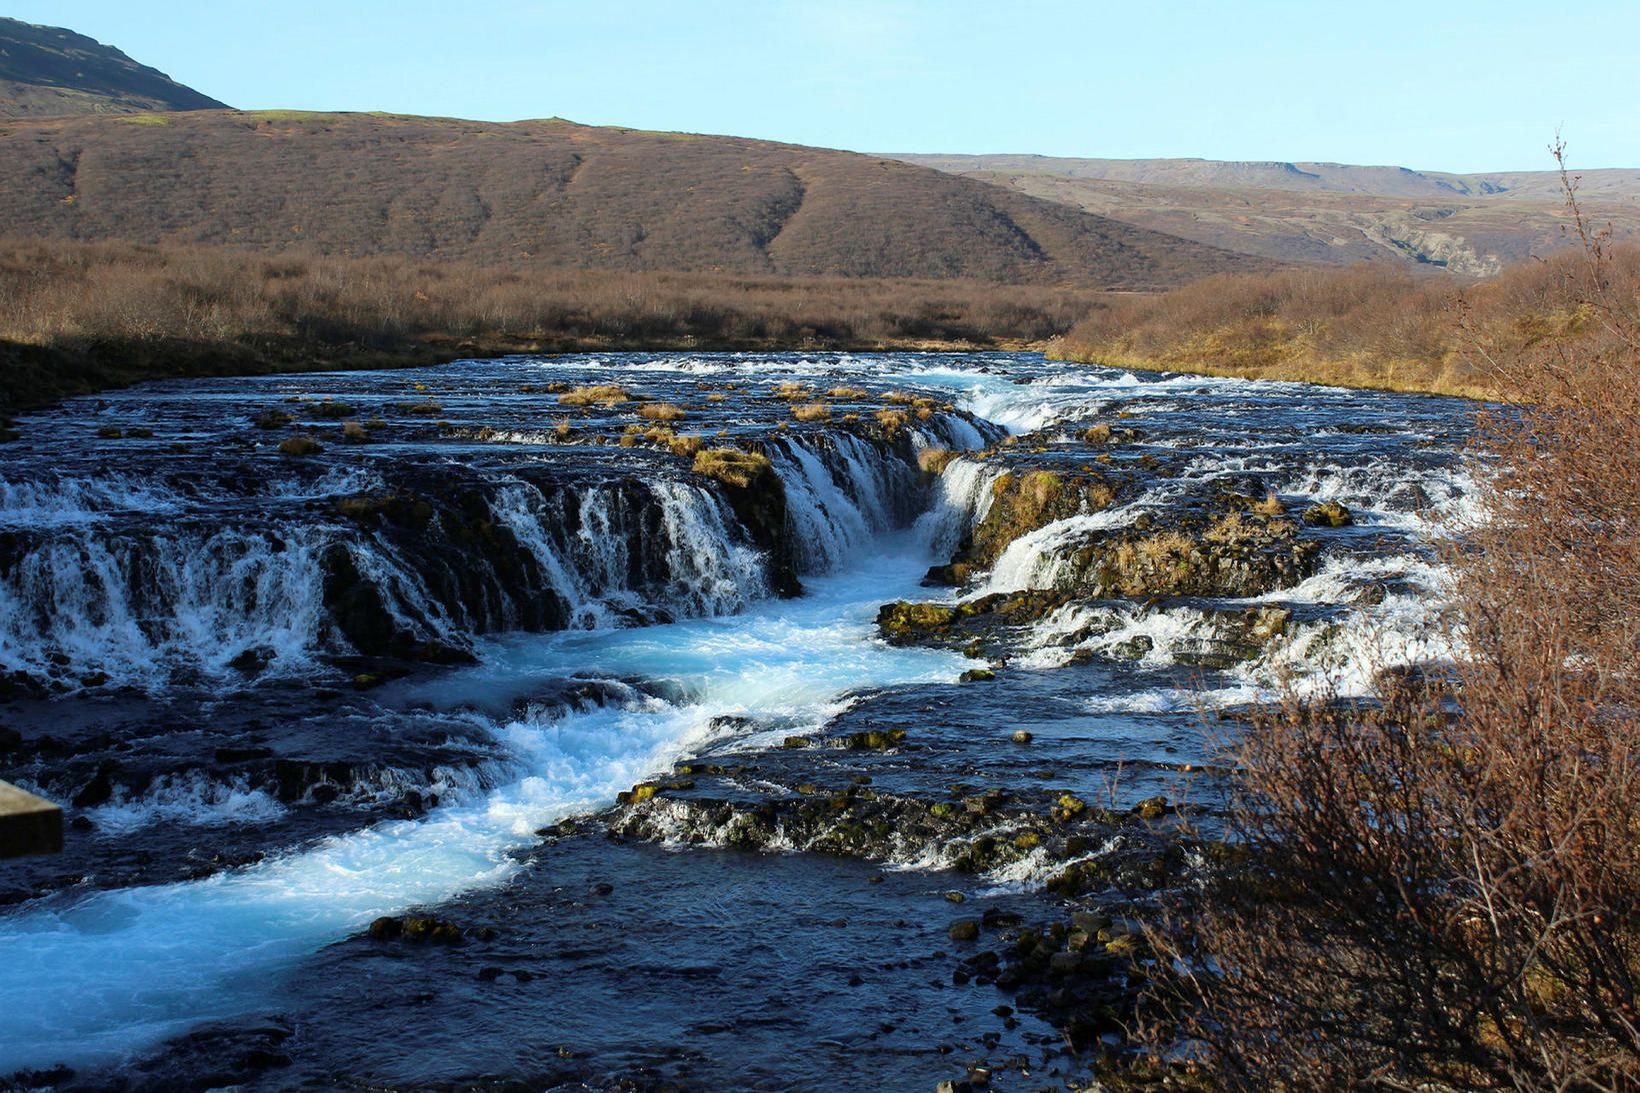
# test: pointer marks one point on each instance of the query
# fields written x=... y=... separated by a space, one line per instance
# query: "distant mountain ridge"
x=49 y=71
x=1301 y=176
x=1325 y=212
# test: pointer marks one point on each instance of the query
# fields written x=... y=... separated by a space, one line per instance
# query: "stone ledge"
x=28 y=824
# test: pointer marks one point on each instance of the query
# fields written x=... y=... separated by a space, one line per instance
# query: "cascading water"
x=371 y=679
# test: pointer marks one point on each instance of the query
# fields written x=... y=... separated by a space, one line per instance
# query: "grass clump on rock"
x=935 y=460
x=732 y=466
x=606 y=394
x=662 y=411
x=300 y=445
x=892 y=420
x=687 y=446
x=812 y=411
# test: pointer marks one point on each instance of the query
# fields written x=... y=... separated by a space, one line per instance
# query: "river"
x=282 y=697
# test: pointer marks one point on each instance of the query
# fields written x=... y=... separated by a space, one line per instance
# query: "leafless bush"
x=1441 y=887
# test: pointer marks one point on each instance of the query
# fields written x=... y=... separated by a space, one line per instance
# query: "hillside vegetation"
x=1366 y=326
x=553 y=194
x=1439 y=888
x=1332 y=213
x=47 y=71
x=77 y=317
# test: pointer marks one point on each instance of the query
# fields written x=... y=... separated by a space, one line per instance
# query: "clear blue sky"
x=1434 y=84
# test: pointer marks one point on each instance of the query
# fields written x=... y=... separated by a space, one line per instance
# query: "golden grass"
x=1368 y=326
x=935 y=460
x=1270 y=506
x=662 y=411
x=599 y=394
x=812 y=411
x=732 y=466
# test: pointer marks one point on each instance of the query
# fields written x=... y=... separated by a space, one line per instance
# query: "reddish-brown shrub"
x=1441 y=887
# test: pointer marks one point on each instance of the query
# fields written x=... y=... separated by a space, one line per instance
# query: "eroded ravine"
x=285 y=695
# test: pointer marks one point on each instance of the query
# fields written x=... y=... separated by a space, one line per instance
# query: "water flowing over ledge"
x=520 y=623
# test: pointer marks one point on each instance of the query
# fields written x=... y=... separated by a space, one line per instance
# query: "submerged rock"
x=300 y=445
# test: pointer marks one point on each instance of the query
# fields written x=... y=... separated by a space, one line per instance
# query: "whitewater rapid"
x=112 y=973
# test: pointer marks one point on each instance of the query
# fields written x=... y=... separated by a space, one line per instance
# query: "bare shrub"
x=1440 y=888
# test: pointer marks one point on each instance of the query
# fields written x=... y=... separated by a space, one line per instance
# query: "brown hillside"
x=1325 y=212
x=556 y=194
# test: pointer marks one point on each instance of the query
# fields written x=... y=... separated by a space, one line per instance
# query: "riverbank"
x=83 y=317
x=1364 y=327
x=1365 y=373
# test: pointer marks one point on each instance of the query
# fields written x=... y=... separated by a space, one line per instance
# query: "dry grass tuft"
x=935 y=460
x=662 y=411
x=812 y=411
x=599 y=395
x=731 y=465
x=1270 y=506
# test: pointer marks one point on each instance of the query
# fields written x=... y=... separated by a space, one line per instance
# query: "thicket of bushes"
x=1368 y=326
x=141 y=310
x=1441 y=887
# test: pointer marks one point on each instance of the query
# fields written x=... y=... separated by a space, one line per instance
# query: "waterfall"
x=132 y=582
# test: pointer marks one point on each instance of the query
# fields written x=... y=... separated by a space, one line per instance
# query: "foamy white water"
x=111 y=973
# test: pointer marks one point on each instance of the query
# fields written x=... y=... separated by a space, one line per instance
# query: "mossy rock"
x=300 y=446
x=1328 y=514
x=639 y=793
x=1068 y=807
x=1151 y=808
x=874 y=740
x=1023 y=503
x=904 y=622
x=732 y=466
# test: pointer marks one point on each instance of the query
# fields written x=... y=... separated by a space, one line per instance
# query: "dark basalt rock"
x=1233 y=555
x=760 y=506
x=425 y=929
x=100 y=790
x=976 y=834
x=1328 y=514
x=1023 y=502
